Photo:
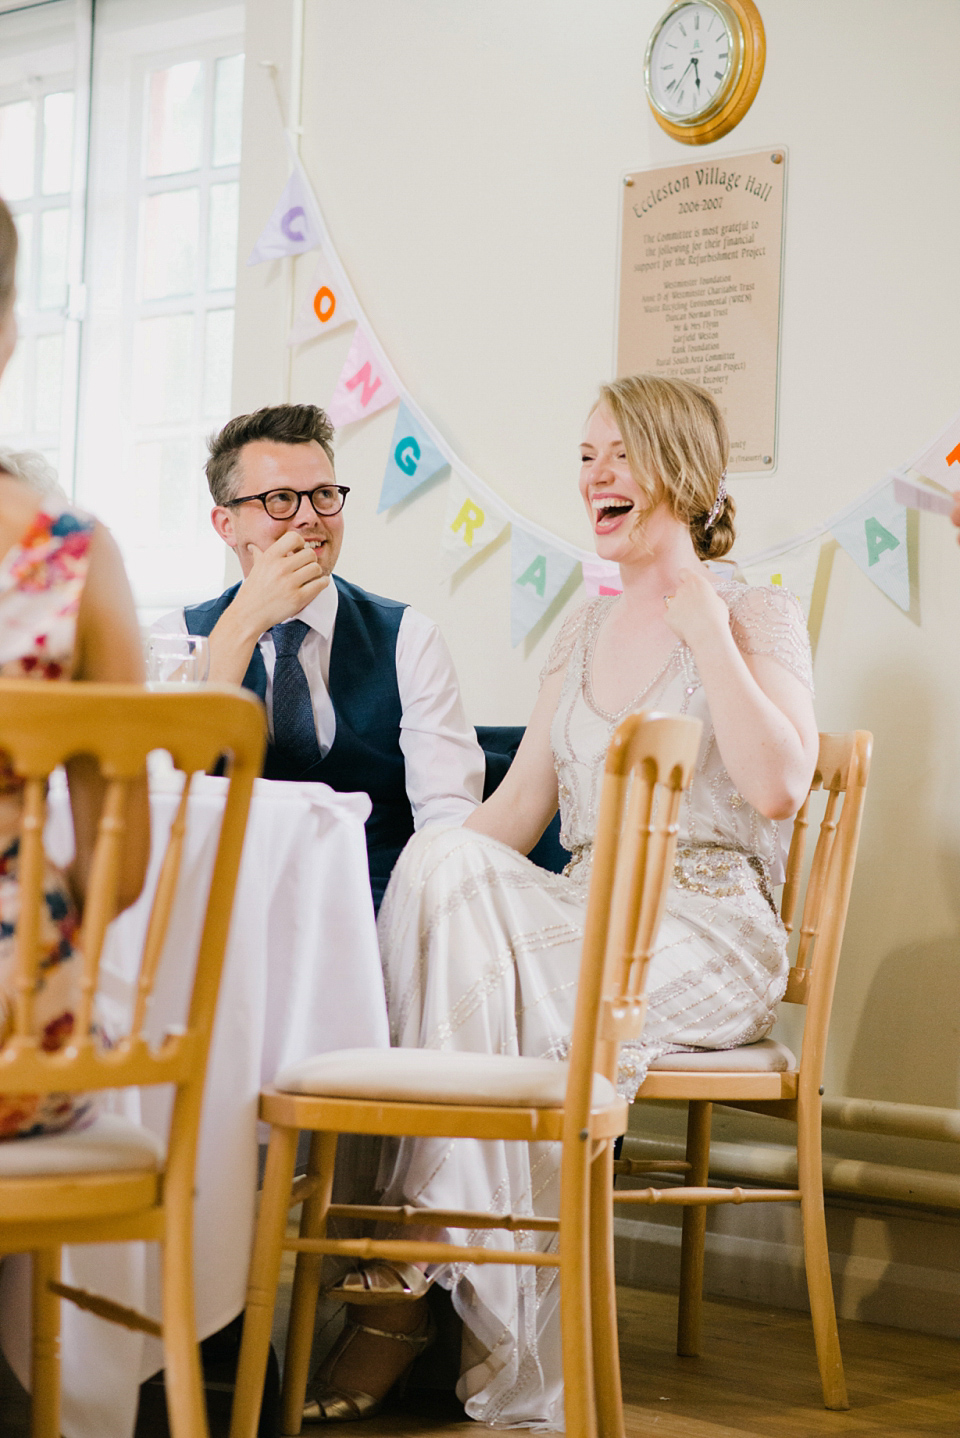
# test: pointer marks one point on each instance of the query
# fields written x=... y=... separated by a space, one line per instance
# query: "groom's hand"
x=282 y=580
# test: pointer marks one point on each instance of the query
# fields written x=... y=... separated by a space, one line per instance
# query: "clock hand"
x=696 y=72
x=679 y=85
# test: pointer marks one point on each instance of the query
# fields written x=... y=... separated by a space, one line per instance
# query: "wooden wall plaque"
x=700 y=275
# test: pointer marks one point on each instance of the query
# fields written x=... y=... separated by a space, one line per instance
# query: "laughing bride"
x=481 y=948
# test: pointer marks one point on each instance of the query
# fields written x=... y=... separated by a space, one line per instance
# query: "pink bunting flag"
x=940 y=461
x=363 y=386
x=601 y=577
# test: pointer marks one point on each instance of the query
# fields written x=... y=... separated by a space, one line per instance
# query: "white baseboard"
x=765 y=1265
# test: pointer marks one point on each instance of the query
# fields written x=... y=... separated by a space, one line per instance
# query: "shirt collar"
x=321 y=613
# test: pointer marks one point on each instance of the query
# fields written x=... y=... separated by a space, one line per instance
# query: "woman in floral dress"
x=66 y=612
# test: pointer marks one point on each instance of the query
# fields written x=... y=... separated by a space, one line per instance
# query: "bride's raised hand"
x=695 y=612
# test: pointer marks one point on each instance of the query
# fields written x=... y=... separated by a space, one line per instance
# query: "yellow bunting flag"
x=795 y=570
x=470 y=525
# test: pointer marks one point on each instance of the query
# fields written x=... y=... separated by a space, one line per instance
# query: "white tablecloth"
x=302 y=976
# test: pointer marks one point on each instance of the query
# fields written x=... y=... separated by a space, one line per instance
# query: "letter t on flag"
x=363 y=386
x=538 y=572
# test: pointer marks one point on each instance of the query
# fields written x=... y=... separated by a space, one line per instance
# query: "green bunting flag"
x=537 y=574
x=875 y=536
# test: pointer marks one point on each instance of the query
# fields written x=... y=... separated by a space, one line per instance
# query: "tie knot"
x=288 y=637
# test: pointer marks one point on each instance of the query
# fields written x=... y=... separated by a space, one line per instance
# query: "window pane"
x=57 y=143
x=169 y=228
x=227 y=110
x=218 y=363
x=11 y=394
x=163 y=369
x=175 y=120
x=16 y=150
x=165 y=485
x=54 y=236
x=222 y=237
x=49 y=350
x=25 y=299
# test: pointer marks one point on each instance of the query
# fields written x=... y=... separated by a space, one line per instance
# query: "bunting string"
x=871 y=528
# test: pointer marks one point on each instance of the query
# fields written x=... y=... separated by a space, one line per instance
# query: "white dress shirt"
x=443 y=761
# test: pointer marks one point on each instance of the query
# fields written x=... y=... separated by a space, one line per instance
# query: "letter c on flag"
x=407 y=455
x=288 y=223
x=324 y=304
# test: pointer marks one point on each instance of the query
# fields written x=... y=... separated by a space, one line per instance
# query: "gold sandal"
x=381 y=1281
x=348 y=1405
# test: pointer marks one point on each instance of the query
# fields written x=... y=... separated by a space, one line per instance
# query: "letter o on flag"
x=324 y=304
x=407 y=455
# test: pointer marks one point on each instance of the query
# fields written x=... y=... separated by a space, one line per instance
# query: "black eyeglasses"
x=285 y=503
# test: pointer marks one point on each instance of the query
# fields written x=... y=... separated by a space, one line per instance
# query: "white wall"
x=468 y=159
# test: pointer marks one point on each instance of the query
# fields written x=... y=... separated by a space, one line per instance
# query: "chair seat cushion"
x=431 y=1076
x=109 y=1143
x=766 y=1056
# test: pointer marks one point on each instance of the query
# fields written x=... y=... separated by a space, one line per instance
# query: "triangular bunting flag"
x=363 y=386
x=601 y=576
x=291 y=228
x=875 y=537
x=325 y=308
x=470 y=525
x=538 y=572
x=413 y=459
x=941 y=460
x=796 y=570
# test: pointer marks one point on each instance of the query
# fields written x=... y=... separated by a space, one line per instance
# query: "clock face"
x=692 y=60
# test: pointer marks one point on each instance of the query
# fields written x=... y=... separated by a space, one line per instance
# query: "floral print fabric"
x=41 y=582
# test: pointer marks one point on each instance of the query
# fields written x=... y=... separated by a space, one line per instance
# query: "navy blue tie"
x=294 y=728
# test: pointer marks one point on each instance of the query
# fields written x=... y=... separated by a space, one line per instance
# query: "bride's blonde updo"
x=677 y=447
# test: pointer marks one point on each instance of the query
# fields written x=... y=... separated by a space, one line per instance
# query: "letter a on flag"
x=363 y=386
x=875 y=536
x=291 y=228
x=538 y=572
x=413 y=459
x=324 y=308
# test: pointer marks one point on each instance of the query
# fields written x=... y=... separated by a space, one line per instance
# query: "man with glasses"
x=360 y=691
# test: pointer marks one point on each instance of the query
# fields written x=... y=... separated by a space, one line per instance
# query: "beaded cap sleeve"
x=566 y=639
x=768 y=620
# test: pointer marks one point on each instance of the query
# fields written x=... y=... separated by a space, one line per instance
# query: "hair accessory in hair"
x=718 y=503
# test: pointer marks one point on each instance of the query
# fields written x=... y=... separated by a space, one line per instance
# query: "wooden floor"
x=756 y=1379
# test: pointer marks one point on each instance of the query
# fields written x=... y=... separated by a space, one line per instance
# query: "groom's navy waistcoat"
x=366 y=752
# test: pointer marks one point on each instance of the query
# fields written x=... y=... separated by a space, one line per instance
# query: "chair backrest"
x=45 y=725
x=649 y=763
x=843 y=766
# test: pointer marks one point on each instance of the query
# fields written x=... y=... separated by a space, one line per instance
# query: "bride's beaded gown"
x=481 y=950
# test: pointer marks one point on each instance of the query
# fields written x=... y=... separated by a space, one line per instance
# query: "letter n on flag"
x=363 y=386
x=413 y=459
x=538 y=572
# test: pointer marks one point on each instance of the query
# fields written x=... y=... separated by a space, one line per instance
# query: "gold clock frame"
x=746 y=83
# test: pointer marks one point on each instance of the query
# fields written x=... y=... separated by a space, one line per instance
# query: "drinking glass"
x=177 y=659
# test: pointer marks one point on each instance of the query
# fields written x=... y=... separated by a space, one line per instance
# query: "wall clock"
x=703 y=67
